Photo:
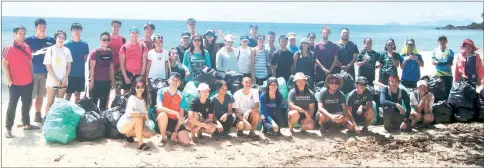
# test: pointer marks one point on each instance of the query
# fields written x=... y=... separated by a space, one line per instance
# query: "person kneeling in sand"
x=170 y=114
x=332 y=110
x=200 y=116
x=360 y=103
x=422 y=102
x=247 y=109
x=301 y=105
x=132 y=123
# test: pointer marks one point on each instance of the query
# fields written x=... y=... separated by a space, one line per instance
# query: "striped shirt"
x=260 y=66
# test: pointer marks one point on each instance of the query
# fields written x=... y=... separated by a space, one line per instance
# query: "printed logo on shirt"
x=331 y=101
x=271 y=105
x=303 y=98
x=361 y=100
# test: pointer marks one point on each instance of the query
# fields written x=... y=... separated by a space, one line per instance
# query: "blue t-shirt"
x=411 y=71
x=267 y=108
x=35 y=45
x=78 y=50
x=293 y=49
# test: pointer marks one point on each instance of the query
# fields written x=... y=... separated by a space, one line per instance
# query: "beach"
x=449 y=145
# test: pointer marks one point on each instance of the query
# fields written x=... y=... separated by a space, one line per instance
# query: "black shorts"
x=130 y=75
x=237 y=120
x=75 y=84
x=172 y=125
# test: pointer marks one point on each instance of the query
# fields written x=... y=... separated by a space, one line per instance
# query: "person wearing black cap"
x=411 y=63
x=184 y=45
x=253 y=35
x=388 y=62
x=211 y=45
x=360 y=103
x=191 y=25
x=347 y=54
x=149 y=29
x=443 y=58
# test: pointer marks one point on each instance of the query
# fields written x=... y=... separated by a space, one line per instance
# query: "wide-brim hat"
x=469 y=42
x=334 y=76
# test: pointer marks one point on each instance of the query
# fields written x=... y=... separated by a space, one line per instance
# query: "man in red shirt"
x=17 y=65
x=132 y=59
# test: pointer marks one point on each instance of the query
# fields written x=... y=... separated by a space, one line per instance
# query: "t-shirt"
x=332 y=102
x=392 y=99
x=226 y=61
x=35 y=45
x=345 y=54
x=411 y=71
x=58 y=59
x=173 y=102
x=134 y=104
x=158 y=60
x=220 y=108
x=443 y=58
x=302 y=99
x=180 y=69
x=415 y=100
x=133 y=56
x=115 y=46
x=149 y=44
x=252 y=42
x=78 y=50
x=388 y=68
x=103 y=62
x=283 y=60
x=355 y=100
x=181 y=52
x=325 y=54
x=293 y=49
x=245 y=102
x=305 y=64
x=260 y=64
x=243 y=60
x=19 y=58
x=195 y=62
x=368 y=70
x=203 y=108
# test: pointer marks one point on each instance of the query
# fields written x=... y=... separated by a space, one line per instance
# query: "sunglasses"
x=334 y=83
x=196 y=40
x=390 y=44
x=140 y=87
x=106 y=40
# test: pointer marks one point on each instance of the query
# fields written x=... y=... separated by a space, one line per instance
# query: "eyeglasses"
x=140 y=87
x=106 y=40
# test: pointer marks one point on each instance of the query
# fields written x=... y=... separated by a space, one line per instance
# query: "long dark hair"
x=215 y=47
x=364 y=48
x=192 y=47
x=220 y=84
x=394 y=45
x=306 y=88
x=144 y=95
x=278 y=94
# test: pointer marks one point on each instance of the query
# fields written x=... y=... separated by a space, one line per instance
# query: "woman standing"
x=132 y=123
x=157 y=69
x=259 y=69
x=210 y=43
x=469 y=64
x=58 y=61
x=367 y=60
x=272 y=114
x=389 y=61
x=222 y=107
x=196 y=58
x=101 y=74
x=304 y=60
x=244 y=56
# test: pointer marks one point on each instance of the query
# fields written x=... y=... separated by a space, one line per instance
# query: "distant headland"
x=473 y=26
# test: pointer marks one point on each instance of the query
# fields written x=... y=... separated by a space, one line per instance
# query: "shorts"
x=39 y=89
x=76 y=84
x=172 y=125
x=118 y=78
x=126 y=86
x=237 y=120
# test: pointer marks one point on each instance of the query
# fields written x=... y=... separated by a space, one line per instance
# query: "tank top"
x=260 y=67
x=305 y=64
x=243 y=60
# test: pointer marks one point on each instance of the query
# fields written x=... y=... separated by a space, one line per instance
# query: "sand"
x=447 y=145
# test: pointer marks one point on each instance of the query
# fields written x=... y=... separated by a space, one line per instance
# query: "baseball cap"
x=410 y=41
x=134 y=28
x=149 y=24
x=185 y=34
x=191 y=20
x=229 y=37
x=209 y=33
x=421 y=82
x=203 y=86
x=271 y=80
x=291 y=35
x=242 y=38
x=361 y=80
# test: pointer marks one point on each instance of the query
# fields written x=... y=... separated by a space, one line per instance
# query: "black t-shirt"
x=355 y=100
x=388 y=68
x=181 y=51
x=252 y=42
x=345 y=53
x=368 y=70
x=332 y=102
x=283 y=60
x=204 y=109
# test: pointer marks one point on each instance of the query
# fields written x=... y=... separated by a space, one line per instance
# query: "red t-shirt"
x=103 y=62
x=115 y=45
x=19 y=57
x=134 y=57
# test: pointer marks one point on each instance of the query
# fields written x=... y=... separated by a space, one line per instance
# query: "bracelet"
x=176 y=131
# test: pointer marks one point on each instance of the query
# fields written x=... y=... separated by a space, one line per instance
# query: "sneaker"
x=240 y=133
x=38 y=117
x=254 y=136
x=130 y=139
x=8 y=134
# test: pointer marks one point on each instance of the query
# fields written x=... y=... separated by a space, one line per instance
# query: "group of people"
x=40 y=65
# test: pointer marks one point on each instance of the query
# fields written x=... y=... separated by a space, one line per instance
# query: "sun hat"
x=334 y=76
x=299 y=76
x=468 y=42
x=229 y=37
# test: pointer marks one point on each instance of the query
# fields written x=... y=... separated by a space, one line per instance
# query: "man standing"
x=326 y=54
x=282 y=60
x=132 y=59
x=312 y=38
x=79 y=51
x=115 y=45
x=149 y=28
x=270 y=47
x=347 y=54
x=185 y=45
x=443 y=58
x=191 y=25
x=410 y=64
x=38 y=43
x=17 y=65
x=253 y=35
x=292 y=43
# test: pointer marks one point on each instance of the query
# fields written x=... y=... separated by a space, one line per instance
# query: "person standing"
x=282 y=60
x=260 y=68
x=116 y=41
x=388 y=62
x=244 y=56
x=17 y=66
x=367 y=60
x=79 y=50
x=196 y=58
x=149 y=29
x=157 y=69
x=326 y=56
x=210 y=44
x=469 y=65
x=304 y=60
x=270 y=47
x=184 y=46
x=39 y=43
x=132 y=59
x=101 y=74
x=411 y=63
x=253 y=29
x=443 y=58
x=311 y=39
x=347 y=54
x=192 y=26
x=292 y=43
x=226 y=58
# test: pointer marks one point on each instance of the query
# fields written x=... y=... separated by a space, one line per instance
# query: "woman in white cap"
x=200 y=116
x=244 y=56
x=301 y=105
x=421 y=102
x=226 y=57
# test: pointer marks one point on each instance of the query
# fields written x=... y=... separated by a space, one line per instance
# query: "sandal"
x=130 y=139
x=143 y=147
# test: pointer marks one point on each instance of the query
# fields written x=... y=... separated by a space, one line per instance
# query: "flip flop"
x=130 y=139
x=144 y=147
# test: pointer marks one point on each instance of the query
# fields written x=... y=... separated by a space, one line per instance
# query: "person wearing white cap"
x=421 y=101
x=292 y=43
x=226 y=58
x=301 y=102
x=243 y=56
x=200 y=116
x=246 y=107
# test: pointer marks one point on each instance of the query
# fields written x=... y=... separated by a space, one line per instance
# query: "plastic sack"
x=318 y=86
x=232 y=77
x=88 y=105
x=61 y=121
x=349 y=82
x=91 y=127
x=208 y=76
x=190 y=92
x=282 y=87
x=158 y=83
x=442 y=112
x=111 y=117
x=437 y=88
x=150 y=125
x=462 y=95
x=464 y=114
x=120 y=101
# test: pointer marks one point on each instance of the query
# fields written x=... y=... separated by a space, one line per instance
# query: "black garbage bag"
x=157 y=83
x=208 y=76
x=318 y=86
x=463 y=114
x=349 y=82
x=232 y=77
x=309 y=81
x=111 y=117
x=88 y=105
x=120 y=101
x=462 y=95
x=437 y=88
x=220 y=74
x=91 y=127
x=235 y=87
x=442 y=112
x=480 y=106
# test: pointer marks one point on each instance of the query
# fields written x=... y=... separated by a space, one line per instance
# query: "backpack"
x=400 y=98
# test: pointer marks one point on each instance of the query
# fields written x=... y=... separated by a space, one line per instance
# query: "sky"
x=374 y=13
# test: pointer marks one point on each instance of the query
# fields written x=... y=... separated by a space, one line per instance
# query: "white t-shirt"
x=245 y=102
x=243 y=60
x=414 y=101
x=58 y=58
x=157 y=69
